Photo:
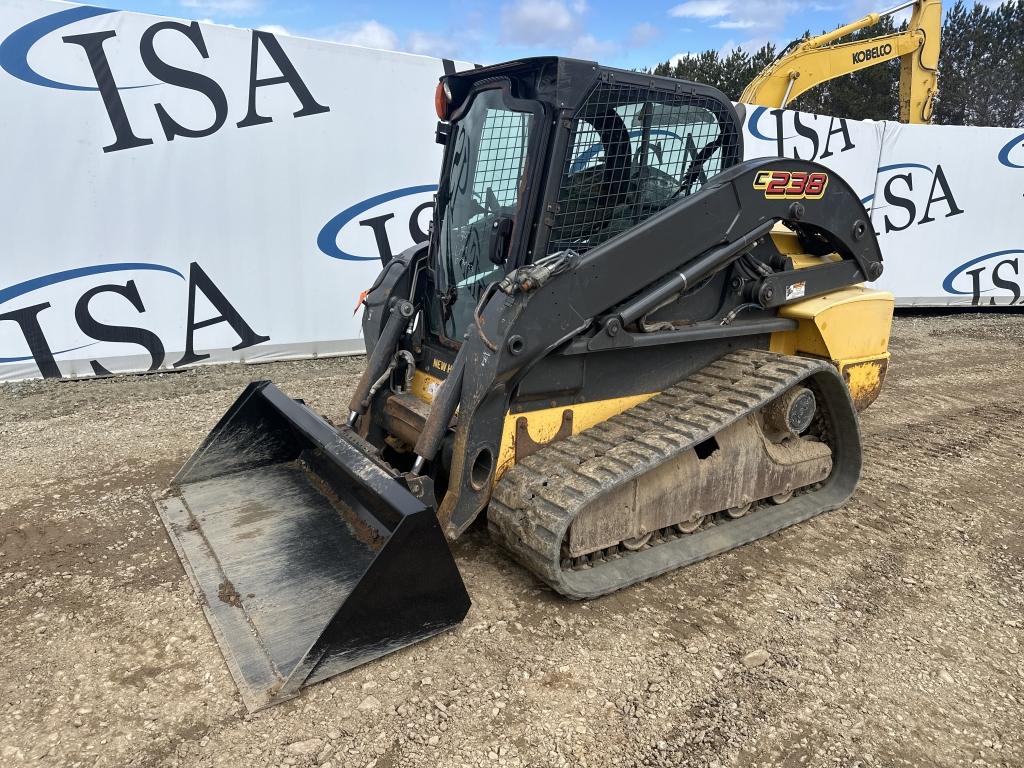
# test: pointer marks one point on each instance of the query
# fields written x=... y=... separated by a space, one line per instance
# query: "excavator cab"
x=632 y=347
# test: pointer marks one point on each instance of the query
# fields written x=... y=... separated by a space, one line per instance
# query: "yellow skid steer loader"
x=626 y=346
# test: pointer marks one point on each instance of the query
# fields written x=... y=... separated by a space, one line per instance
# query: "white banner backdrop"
x=177 y=193
x=946 y=208
x=218 y=173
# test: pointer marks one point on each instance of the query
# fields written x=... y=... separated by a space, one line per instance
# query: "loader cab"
x=549 y=154
x=493 y=138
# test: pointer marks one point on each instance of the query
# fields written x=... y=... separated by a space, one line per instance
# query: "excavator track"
x=535 y=502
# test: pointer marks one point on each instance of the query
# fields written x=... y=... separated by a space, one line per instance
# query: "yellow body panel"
x=847 y=324
x=788 y=243
x=851 y=328
x=864 y=378
x=424 y=386
x=544 y=424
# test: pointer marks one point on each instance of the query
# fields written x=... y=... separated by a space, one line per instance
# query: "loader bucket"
x=308 y=555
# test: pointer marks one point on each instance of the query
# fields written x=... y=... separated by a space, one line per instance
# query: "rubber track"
x=534 y=503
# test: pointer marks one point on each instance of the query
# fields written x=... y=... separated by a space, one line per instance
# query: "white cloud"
x=589 y=47
x=373 y=34
x=642 y=34
x=701 y=9
x=431 y=44
x=367 y=34
x=540 y=22
x=680 y=56
x=225 y=7
x=765 y=18
x=558 y=25
x=738 y=24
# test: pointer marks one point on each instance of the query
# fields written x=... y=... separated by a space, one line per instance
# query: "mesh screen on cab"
x=634 y=150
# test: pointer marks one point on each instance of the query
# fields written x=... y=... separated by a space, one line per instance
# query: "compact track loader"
x=626 y=346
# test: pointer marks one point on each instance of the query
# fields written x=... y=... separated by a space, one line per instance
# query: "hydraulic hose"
x=382 y=356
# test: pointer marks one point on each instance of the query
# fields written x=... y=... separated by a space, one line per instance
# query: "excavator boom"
x=816 y=60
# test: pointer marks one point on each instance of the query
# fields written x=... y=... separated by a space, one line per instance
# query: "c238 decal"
x=791 y=185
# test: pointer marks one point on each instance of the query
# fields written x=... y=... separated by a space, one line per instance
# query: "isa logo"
x=804 y=137
x=118 y=309
x=93 y=54
x=982 y=277
x=377 y=228
x=911 y=194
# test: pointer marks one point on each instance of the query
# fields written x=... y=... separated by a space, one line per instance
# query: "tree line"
x=981 y=71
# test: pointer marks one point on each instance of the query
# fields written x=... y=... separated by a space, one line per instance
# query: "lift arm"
x=814 y=60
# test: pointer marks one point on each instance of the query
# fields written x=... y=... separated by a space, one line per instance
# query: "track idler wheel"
x=792 y=412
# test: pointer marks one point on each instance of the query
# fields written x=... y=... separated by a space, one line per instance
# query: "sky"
x=623 y=33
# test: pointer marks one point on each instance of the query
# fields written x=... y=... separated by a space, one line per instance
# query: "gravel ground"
x=886 y=634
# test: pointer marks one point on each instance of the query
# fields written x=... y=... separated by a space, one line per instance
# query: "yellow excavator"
x=814 y=60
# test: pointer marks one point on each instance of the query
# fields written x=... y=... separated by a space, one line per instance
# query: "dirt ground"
x=888 y=634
